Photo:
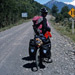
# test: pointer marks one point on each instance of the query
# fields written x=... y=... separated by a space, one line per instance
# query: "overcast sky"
x=45 y=1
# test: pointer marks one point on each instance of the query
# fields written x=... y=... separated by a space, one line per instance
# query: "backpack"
x=38 y=19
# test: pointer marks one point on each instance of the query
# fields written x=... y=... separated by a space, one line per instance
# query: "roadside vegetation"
x=10 y=11
x=62 y=22
x=15 y=24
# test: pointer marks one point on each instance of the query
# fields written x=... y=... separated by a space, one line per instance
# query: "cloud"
x=72 y=3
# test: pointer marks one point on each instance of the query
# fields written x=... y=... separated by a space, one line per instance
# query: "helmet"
x=44 y=10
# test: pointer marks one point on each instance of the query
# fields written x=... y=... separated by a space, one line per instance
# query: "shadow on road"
x=31 y=65
x=28 y=58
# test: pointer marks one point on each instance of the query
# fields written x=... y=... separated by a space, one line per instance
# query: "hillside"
x=10 y=10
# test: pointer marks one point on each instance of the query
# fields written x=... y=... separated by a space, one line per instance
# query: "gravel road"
x=14 y=59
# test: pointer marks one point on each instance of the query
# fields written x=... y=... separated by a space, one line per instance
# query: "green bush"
x=59 y=17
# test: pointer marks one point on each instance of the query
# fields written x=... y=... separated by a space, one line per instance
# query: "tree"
x=10 y=10
x=54 y=10
x=64 y=12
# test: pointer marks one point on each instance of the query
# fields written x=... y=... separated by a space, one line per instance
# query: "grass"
x=63 y=30
x=12 y=25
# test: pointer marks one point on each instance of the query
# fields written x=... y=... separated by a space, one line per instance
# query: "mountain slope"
x=58 y=4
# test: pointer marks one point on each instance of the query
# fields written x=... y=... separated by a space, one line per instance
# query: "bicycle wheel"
x=37 y=59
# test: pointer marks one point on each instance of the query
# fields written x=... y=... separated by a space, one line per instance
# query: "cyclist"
x=45 y=27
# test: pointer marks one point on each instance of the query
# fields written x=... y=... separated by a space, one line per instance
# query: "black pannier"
x=45 y=50
x=32 y=47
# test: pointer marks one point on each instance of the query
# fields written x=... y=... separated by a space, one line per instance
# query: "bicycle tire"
x=37 y=58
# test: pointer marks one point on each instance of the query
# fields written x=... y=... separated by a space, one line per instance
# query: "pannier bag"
x=45 y=50
x=32 y=48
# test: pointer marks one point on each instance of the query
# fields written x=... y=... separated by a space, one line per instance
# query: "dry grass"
x=63 y=30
